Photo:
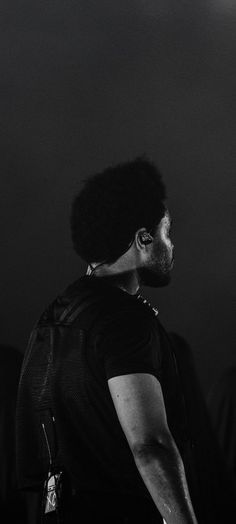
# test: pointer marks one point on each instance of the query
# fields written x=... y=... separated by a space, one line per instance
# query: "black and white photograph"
x=118 y=347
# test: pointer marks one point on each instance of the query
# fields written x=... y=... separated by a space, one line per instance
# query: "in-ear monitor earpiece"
x=146 y=238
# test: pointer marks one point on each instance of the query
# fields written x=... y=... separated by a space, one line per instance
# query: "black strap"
x=76 y=307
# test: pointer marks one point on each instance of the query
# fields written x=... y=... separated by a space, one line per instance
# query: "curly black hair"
x=113 y=205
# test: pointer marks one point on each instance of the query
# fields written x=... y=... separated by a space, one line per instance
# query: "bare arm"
x=140 y=408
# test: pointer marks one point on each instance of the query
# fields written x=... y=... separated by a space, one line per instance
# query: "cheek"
x=167 y=251
x=161 y=253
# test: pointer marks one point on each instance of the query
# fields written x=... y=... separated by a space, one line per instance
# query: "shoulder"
x=127 y=316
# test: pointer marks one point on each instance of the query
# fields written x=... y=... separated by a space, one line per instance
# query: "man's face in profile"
x=156 y=272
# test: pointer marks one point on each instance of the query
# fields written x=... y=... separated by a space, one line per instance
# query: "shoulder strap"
x=71 y=312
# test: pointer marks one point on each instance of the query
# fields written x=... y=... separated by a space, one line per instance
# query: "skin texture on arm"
x=140 y=408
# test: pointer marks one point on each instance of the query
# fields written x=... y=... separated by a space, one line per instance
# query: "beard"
x=157 y=273
x=153 y=278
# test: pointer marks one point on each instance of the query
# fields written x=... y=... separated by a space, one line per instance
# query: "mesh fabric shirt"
x=117 y=335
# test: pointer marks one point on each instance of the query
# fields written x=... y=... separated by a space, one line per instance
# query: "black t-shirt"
x=118 y=334
x=121 y=339
x=66 y=369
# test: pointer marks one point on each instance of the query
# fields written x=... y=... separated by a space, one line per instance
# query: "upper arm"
x=140 y=407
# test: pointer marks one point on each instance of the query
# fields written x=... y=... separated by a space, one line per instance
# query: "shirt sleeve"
x=130 y=344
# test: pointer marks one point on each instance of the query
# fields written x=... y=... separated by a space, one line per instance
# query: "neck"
x=125 y=279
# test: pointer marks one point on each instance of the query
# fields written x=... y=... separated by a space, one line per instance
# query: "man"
x=100 y=403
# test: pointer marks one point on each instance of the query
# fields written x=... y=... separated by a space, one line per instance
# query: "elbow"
x=152 y=447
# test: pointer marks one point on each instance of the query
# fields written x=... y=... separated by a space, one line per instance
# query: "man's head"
x=112 y=210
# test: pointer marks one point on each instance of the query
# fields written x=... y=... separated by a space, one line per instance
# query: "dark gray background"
x=87 y=83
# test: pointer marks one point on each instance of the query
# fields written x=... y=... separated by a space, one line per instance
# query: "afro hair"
x=112 y=206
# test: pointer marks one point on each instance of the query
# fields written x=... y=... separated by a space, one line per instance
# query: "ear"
x=143 y=238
